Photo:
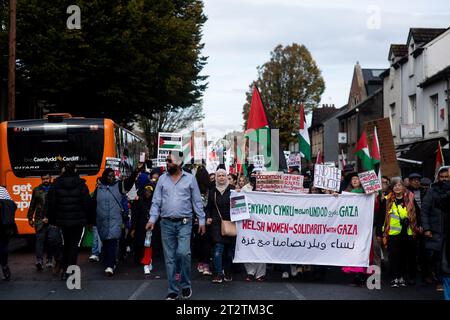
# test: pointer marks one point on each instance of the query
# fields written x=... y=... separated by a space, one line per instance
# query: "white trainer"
x=147 y=269
x=109 y=271
x=294 y=271
x=94 y=258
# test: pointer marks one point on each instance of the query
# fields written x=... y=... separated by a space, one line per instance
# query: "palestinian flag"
x=376 y=157
x=258 y=127
x=187 y=149
x=170 y=141
x=319 y=158
x=303 y=137
x=439 y=158
x=362 y=151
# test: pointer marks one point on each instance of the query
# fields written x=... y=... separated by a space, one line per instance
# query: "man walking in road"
x=176 y=195
x=38 y=220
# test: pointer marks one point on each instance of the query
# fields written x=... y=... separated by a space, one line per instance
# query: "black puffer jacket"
x=69 y=202
x=434 y=209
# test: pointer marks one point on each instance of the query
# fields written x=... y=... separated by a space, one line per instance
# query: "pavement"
x=130 y=283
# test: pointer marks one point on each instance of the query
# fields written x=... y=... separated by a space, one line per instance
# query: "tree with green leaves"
x=130 y=57
x=289 y=78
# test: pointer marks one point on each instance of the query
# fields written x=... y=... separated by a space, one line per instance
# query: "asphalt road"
x=131 y=284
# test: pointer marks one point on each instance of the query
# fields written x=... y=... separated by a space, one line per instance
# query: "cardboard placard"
x=238 y=207
x=293 y=183
x=369 y=181
x=294 y=160
x=269 y=181
x=326 y=177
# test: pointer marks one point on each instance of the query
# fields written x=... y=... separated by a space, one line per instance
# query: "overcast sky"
x=240 y=34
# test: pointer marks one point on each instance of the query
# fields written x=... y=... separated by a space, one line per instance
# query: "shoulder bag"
x=227 y=228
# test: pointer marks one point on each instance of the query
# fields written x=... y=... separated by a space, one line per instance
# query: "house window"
x=411 y=61
x=392 y=118
x=391 y=77
x=412 y=109
x=434 y=113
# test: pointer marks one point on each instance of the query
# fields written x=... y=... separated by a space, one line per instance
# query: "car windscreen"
x=41 y=147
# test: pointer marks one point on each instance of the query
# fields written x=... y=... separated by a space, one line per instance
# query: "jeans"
x=446 y=285
x=110 y=252
x=41 y=236
x=54 y=242
x=223 y=258
x=96 y=242
x=176 y=240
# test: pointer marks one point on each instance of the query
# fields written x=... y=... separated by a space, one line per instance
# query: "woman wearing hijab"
x=218 y=208
x=108 y=197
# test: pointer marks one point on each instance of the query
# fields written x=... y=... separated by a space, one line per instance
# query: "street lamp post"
x=12 y=61
x=447 y=92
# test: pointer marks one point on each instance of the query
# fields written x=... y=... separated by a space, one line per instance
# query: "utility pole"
x=447 y=99
x=12 y=61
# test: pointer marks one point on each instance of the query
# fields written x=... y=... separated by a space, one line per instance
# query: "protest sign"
x=114 y=163
x=294 y=160
x=326 y=177
x=258 y=162
x=369 y=181
x=311 y=229
x=269 y=181
x=293 y=183
x=238 y=207
x=200 y=146
x=168 y=142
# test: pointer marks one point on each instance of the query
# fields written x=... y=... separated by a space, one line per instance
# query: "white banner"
x=312 y=229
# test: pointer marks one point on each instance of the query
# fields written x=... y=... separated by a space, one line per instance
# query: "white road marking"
x=295 y=292
x=139 y=290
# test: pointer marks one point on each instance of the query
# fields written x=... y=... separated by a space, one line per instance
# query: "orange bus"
x=31 y=148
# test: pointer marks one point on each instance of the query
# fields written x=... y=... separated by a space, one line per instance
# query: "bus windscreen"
x=40 y=147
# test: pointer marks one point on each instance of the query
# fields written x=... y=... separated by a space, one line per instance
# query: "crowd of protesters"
x=178 y=213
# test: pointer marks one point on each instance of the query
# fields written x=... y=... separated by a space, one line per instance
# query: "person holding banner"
x=360 y=273
x=398 y=229
x=218 y=209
